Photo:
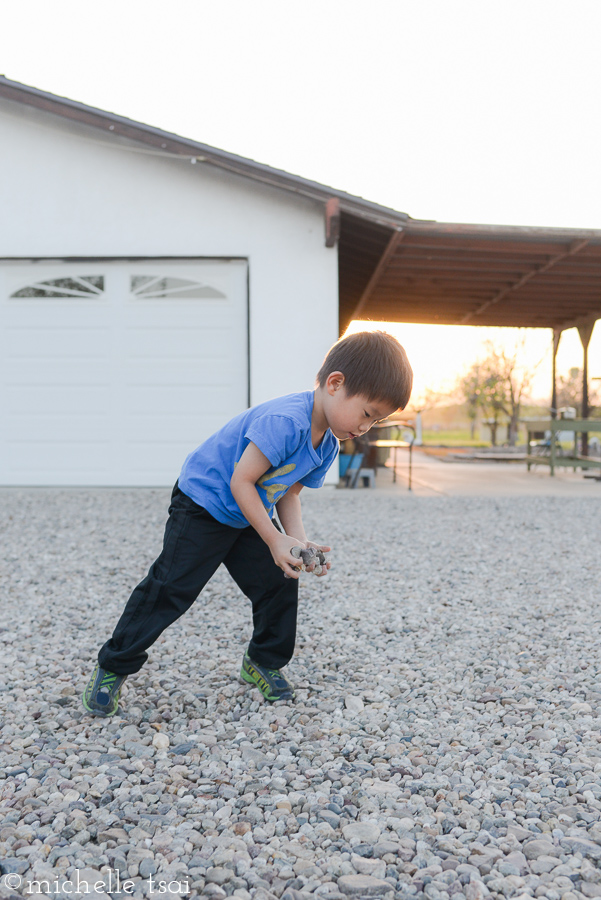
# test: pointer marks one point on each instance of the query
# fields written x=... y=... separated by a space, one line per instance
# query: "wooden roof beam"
x=572 y=250
x=395 y=239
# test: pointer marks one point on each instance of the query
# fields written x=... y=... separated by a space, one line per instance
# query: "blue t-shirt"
x=281 y=429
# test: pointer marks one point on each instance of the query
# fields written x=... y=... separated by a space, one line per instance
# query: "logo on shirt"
x=275 y=491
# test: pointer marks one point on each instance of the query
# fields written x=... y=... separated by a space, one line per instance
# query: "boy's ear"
x=334 y=382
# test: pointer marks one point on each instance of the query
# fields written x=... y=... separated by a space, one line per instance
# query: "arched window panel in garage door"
x=150 y=286
x=81 y=287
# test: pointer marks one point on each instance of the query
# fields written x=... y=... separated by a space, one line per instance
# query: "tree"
x=493 y=397
x=569 y=391
x=428 y=399
x=497 y=385
x=484 y=392
x=470 y=388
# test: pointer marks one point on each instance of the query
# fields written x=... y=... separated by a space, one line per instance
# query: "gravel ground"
x=444 y=742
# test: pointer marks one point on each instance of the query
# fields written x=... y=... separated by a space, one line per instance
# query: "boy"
x=222 y=506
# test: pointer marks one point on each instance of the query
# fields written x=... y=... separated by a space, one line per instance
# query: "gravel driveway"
x=445 y=740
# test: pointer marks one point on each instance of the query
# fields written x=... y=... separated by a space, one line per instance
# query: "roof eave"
x=172 y=143
x=525 y=232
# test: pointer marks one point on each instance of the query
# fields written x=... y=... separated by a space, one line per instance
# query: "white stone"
x=353 y=703
x=361 y=832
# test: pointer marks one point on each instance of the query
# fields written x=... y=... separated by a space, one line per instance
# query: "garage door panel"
x=74 y=400
x=19 y=428
x=57 y=343
x=194 y=373
x=166 y=456
x=52 y=314
x=198 y=314
x=57 y=372
x=177 y=399
x=189 y=431
x=65 y=457
x=180 y=343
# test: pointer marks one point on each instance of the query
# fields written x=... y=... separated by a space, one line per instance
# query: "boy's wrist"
x=272 y=539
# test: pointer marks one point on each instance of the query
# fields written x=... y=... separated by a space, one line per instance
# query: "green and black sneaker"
x=272 y=684
x=101 y=696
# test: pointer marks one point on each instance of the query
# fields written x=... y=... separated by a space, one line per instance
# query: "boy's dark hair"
x=373 y=364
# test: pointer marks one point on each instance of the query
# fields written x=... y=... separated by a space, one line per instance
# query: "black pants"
x=194 y=545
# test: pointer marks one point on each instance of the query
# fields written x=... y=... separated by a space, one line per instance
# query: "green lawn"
x=455 y=438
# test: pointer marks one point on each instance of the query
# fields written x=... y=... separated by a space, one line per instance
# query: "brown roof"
x=451 y=274
x=395 y=268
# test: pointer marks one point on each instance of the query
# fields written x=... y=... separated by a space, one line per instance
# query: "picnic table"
x=548 y=450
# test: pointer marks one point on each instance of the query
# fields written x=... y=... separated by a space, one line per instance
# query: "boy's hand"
x=324 y=549
x=280 y=547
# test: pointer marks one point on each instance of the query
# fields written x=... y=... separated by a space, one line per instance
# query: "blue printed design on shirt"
x=271 y=490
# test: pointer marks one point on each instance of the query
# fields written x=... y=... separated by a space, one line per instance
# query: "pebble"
x=361 y=832
x=353 y=703
x=363 y=886
x=445 y=742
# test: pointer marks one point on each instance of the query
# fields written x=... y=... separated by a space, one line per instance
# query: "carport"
x=454 y=274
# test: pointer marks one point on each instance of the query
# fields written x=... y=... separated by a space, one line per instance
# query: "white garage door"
x=112 y=372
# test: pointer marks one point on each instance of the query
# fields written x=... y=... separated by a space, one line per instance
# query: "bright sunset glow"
x=440 y=354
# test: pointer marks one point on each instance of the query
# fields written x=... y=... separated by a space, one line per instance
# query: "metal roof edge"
x=164 y=140
x=532 y=232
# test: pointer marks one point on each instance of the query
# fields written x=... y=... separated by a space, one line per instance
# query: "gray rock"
x=13 y=865
x=147 y=868
x=182 y=749
x=135 y=748
x=328 y=816
x=363 y=886
x=256 y=757
x=515 y=858
x=543 y=864
x=361 y=832
x=534 y=849
x=582 y=845
x=218 y=875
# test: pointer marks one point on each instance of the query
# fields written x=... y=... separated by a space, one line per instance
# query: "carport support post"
x=556 y=339
x=585 y=331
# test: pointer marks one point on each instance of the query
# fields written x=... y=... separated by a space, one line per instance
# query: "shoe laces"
x=281 y=682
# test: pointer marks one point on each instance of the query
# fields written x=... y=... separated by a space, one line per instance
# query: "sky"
x=483 y=111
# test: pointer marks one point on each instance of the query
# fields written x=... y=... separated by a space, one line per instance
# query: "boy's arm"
x=251 y=466
x=289 y=513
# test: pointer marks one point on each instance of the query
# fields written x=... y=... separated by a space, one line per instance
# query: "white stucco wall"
x=67 y=190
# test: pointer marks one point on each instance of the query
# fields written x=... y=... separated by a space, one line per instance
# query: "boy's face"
x=349 y=417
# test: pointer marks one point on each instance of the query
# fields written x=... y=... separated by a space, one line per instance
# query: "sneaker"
x=272 y=684
x=101 y=696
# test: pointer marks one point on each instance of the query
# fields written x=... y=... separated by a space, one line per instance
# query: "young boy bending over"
x=222 y=506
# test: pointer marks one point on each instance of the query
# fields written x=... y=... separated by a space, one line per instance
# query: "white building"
x=151 y=287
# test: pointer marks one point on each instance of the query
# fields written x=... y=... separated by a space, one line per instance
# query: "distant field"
x=453 y=438
x=460 y=437
x=449 y=426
